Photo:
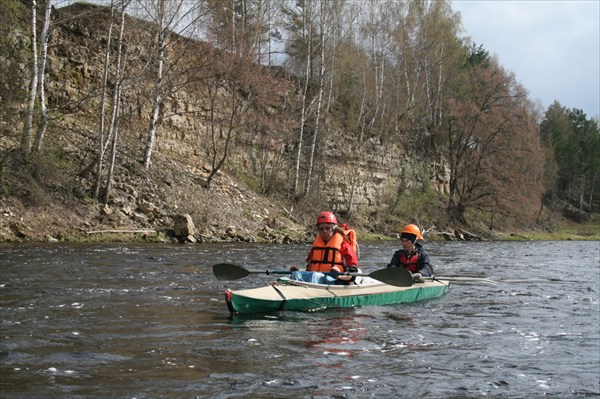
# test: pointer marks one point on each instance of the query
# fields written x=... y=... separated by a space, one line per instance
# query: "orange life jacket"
x=351 y=234
x=354 y=241
x=325 y=255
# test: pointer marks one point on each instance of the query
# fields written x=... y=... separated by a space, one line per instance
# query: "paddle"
x=461 y=279
x=392 y=275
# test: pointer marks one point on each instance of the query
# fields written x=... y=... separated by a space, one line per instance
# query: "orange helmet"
x=412 y=229
x=326 y=217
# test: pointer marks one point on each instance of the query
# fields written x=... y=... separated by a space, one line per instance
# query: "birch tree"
x=170 y=16
x=114 y=126
x=39 y=56
x=300 y=22
x=26 y=137
x=335 y=23
x=373 y=35
x=161 y=35
x=103 y=103
x=319 y=98
x=37 y=146
x=422 y=40
x=243 y=26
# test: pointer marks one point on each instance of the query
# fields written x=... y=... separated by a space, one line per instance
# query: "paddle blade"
x=396 y=276
x=227 y=271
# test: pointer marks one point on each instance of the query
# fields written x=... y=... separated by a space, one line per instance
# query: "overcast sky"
x=552 y=46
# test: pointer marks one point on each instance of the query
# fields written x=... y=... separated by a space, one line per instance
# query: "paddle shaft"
x=396 y=276
x=393 y=276
x=332 y=274
x=461 y=279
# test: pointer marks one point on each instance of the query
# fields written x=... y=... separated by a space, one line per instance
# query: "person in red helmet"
x=332 y=249
x=412 y=256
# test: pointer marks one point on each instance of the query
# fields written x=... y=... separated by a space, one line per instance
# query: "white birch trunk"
x=33 y=84
x=313 y=145
x=332 y=65
x=161 y=38
x=116 y=111
x=113 y=152
x=439 y=111
x=100 y=155
x=37 y=146
x=304 y=111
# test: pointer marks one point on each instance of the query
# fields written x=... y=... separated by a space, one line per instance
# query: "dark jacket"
x=423 y=264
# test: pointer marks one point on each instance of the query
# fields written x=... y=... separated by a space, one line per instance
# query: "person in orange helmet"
x=412 y=256
x=332 y=250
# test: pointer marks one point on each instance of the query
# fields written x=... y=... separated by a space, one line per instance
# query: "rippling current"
x=149 y=321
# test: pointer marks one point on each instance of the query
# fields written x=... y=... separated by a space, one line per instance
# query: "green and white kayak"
x=287 y=294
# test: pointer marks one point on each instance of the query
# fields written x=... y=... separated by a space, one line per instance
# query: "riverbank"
x=170 y=203
x=574 y=232
x=57 y=221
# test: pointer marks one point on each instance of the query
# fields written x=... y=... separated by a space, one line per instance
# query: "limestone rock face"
x=351 y=176
x=183 y=226
x=346 y=175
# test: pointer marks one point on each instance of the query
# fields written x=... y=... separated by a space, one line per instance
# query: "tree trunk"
x=160 y=41
x=313 y=146
x=218 y=159
x=304 y=111
x=37 y=146
x=593 y=183
x=33 y=84
x=113 y=157
x=116 y=111
x=100 y=155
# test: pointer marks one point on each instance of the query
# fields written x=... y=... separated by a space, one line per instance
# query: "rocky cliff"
x=351 y=177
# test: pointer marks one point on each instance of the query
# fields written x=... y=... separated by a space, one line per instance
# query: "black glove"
x=294 y=268
x=352 y=269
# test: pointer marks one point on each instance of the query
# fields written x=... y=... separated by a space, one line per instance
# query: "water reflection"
x=338 y=336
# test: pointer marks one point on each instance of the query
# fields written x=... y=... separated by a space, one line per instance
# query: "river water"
x=149 y=321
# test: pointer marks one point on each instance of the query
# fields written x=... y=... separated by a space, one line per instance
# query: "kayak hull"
x=286 y=294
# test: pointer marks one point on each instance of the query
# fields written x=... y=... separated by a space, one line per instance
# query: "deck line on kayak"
x=281 y=295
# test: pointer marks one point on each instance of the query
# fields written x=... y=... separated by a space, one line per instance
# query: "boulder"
x=183 y=226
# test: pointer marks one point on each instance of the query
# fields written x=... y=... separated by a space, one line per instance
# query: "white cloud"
x=553 y=47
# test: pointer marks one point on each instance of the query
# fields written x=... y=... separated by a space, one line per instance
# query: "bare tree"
x=490 y=124
x=224 y=120
x=161 y=36
x=301 y=47
x=37 y=146
x=172 y=19
x=103 y=103
x=319 y=98
x=113 y=134
x=26 y=137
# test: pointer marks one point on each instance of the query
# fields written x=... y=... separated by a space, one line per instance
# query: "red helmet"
x=326 y=217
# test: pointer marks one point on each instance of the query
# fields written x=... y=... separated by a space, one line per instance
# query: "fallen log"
x=116 y=231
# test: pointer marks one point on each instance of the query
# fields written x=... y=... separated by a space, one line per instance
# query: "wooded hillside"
x=378 y=110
